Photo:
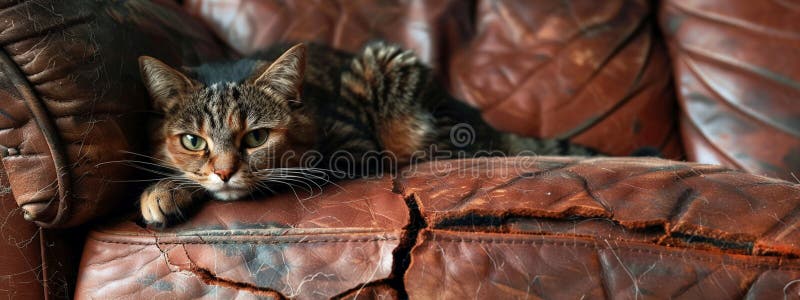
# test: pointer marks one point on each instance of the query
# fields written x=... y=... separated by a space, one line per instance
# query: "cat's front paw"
x=163 y=204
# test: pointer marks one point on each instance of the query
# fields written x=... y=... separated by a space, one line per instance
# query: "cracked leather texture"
x=72 y=101
x=19 y=250
x=327 y=245
x=503 y=227
x=737 y=69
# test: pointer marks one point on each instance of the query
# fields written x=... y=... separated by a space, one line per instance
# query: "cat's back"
x=322 y=74
x=323 y=63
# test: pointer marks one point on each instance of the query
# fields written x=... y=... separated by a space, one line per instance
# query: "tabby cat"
x=229 y=127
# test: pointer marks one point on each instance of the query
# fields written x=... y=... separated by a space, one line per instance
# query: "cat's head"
x=227 y=136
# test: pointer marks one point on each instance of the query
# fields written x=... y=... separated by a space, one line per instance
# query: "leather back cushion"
x=737 y=67
x=71 y=101
x=593 y=72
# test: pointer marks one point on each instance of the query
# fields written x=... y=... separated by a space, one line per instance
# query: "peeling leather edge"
x=49 y=132
x=743 y=244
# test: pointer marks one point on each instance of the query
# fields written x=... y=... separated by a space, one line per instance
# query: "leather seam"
x=249 y=242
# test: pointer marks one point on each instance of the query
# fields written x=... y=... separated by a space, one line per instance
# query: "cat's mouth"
x=226 y=190
x=227 y=193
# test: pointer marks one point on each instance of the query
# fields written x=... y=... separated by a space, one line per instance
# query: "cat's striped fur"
x=382 y=102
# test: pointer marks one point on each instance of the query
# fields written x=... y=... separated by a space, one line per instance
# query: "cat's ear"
x=285 y=75
x=167 y=86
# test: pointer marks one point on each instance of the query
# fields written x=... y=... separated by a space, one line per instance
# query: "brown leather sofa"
x=708 y=81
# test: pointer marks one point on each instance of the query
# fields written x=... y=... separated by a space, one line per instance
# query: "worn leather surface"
x=603 y=228
x=737 y=68
x=502 y=228
x=594 y=72
x=72 y=102
x=330 y=244
x=20 y=270
x=433 y=29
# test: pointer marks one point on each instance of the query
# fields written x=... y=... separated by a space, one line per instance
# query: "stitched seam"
x=279 y=232
x=249 y=242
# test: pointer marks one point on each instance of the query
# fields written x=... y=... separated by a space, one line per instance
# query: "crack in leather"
x=465 y=213
x=209 y=278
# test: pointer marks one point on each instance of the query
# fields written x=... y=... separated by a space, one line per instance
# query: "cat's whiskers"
x=142 y=165
x=148 y=180
x=292 y=187
x=127 y=161
x=301 y=171
x=292 y=177
x=146 y=156
x=309 y=188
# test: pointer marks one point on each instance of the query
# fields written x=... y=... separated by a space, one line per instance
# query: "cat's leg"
x=165 y=203
x=393 y=84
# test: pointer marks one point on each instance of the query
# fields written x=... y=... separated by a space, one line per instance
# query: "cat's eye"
x=192 y=142
x=256 y=138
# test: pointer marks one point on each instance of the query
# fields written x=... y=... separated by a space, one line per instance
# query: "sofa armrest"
x=71 y=101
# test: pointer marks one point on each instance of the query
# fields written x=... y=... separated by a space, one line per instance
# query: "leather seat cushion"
x=503 y=227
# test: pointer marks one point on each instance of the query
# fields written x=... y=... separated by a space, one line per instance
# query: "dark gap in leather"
x=746 y=247
x=402 y=254
x=58 y=254
x=210 y=279
x=355 y=292
x=475 y=222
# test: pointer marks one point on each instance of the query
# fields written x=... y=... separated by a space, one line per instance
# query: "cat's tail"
x=390 y=79
x=391 y=84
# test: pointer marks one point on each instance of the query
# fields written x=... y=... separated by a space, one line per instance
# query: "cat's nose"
x=225 y=174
